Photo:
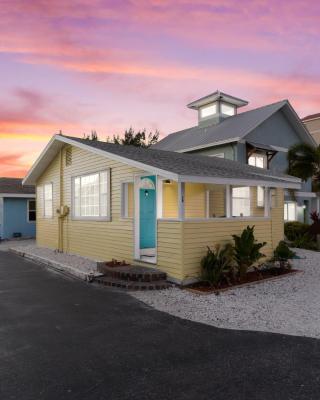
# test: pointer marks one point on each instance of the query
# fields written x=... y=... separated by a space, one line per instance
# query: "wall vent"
x=68 y=156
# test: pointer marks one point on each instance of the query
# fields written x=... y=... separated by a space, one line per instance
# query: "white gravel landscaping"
x=75 y=265
x=288 y=305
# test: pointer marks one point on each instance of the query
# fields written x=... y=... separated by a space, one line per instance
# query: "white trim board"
x=18 y=195
x=47 y=156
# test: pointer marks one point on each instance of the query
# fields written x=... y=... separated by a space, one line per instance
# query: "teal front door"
x=147 y=212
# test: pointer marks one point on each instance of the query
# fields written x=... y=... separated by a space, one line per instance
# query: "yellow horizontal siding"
x=181 y=245
x=169 y=252
x=101 y=240
x=197 y=235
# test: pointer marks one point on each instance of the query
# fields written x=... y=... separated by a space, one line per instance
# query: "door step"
x=132 y=277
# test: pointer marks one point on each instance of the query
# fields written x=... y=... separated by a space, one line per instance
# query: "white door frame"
x=136 y=223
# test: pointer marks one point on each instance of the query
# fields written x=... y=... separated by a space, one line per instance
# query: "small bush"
x=305 y=242
x=314 y=230
x=215 y=265
x=246 y=250
x=283 y=252
x=293 y=230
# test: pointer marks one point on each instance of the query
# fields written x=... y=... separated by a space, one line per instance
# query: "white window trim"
x=124 y=199
x=295 y=210
x=28 y=211
x=95 y=218
x=44 y=200
x=241 y=198
x=265 y=160
x=261 y=205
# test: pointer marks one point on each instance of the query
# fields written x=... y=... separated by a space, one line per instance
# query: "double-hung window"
x=31 y=210
x=48 y=200
x=241 y=201
x=260 y=196
x=290 y=211
x=258 y=160
x=91 y=196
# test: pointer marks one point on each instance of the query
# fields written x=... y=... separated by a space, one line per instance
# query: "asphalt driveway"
x=63 y=339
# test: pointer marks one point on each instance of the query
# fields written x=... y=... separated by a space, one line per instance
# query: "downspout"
x=63 y=210
x=60 y=218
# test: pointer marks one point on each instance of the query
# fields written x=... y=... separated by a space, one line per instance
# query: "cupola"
x=216 y=107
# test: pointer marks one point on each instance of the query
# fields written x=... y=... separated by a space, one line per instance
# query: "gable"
x=276 y=131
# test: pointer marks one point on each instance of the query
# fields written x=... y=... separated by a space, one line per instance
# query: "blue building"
x=260 y=137
x=17 y=209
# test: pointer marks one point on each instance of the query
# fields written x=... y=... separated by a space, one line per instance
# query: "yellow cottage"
x=150 y=207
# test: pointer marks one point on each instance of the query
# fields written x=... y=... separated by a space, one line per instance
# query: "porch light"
x=168 y=181
x=146 y=193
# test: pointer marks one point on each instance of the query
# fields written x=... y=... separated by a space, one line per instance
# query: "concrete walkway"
x=62 y=338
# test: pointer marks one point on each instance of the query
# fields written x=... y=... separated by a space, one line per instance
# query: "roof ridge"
x=232 y=116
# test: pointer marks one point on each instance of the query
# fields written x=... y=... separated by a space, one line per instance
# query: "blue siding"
x=276 y=131
x=15 y=218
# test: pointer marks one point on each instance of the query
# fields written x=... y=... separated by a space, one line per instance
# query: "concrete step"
x=132 y=285
x=133 y=273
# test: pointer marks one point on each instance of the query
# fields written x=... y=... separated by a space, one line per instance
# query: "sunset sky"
x=101 y=65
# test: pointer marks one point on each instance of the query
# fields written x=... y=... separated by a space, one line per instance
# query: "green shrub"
x=246 y=250
x=283 y=252
x=216 y=264
x=293 y=230
x=305 y=242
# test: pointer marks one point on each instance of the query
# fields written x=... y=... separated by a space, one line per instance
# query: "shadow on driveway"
x=63 y=339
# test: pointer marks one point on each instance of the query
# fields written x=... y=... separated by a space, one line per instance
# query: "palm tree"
x=304 y=163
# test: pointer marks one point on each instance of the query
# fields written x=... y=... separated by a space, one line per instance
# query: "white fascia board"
x=38 y=160
x=18 y=195
x=115 y=157
x=102 y=153
x=236 y=181
x=303 y=194
x=301 y=126
x=213 y=144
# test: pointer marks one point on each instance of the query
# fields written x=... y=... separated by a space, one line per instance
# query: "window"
x=290 y=211
x=127 y=200
x=91 y=195
x=260 y=196
x=258 y=160
x=227 y=109
x=219 y=155
x=207 y=111
x=48 y=201
x=241 y=202
x=31 y=210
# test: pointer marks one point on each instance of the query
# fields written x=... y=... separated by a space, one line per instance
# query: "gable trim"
x=213 y=144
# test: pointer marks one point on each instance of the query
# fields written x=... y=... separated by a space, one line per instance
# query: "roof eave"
x=240 y=181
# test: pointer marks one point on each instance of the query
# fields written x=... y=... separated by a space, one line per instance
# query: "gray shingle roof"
x=235 y=127
x=188 y=164
x=14 y=186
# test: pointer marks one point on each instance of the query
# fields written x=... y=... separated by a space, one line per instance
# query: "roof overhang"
x=58 y=141
x=18 y=195
x=215 y=97
x=298 y=125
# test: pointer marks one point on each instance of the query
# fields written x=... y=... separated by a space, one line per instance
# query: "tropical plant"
x=282 y=254
x=216 y=264
x=138 y=139
x=314 y=216
x=246 y=250
x=304 y=163
x=295 y=229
